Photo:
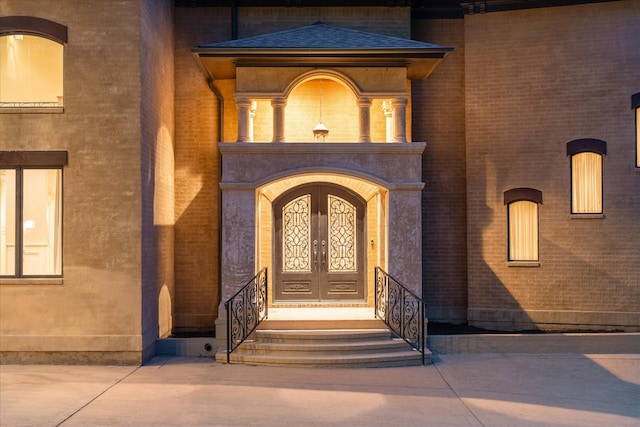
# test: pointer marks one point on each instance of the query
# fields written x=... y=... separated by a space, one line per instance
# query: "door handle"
x=315 y=252
x=324 y=252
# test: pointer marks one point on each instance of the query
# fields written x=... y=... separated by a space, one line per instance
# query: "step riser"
x=387 y=361
x=321 y=324
x=270 y=349
x=325 y=348
x=307 y=339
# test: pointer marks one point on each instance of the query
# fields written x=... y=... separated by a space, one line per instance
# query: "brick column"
x=365 y=119
x=278 y=105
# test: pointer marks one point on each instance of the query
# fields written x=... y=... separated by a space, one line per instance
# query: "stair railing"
x=400 y=309
x=245 y=310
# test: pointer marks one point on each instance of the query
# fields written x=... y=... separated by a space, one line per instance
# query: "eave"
x=221 y=63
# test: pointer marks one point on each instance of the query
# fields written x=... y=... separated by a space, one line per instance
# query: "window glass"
x=586 y=183
x=30 y=71
x=31 y=235
x=7 y=222
x=523 y=231
x=42 y=243
x=638 y=137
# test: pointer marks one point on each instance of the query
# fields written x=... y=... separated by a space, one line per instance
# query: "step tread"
x=361 y=345
x=322 y=334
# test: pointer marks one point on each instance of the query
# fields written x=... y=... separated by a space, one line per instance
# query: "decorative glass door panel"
x=319 y=236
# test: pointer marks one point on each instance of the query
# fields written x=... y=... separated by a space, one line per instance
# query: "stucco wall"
x=535 y=80
x=94 y=315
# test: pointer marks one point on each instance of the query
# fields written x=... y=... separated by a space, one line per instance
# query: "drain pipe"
x=218 y=95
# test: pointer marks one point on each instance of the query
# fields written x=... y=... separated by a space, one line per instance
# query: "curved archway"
x=322 y=98
x=376 y=226
x=332 y=75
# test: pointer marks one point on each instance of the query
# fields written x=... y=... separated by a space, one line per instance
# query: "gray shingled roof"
x=322 y=36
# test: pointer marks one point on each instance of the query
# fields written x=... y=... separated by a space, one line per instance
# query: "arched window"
x=522 y=214
x=31 y=62
x=586 y=175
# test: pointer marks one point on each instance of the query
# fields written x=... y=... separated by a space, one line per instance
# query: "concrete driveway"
x=457 y=390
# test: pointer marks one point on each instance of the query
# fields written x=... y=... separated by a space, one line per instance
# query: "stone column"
x=252 y=114
x=405 y=236
x=278 y=105
x=238 y=256
x=365 y=119
x=388 y=115
x=243 y=105
x=400 y=119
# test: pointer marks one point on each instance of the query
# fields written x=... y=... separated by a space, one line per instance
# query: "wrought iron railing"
x=245 y=310
x=401 y=310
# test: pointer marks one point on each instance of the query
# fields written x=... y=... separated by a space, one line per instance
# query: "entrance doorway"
x=319 y=245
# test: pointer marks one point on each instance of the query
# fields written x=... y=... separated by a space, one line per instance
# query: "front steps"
x=325 y=348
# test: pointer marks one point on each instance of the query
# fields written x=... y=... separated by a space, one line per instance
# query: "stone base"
x=605 y=343
x=186 y=347
x=553 y=320
x=70 y=358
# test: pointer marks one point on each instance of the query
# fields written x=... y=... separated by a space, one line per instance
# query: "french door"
x=319 y=245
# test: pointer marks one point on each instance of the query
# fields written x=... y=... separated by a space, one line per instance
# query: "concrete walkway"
x=457 y=390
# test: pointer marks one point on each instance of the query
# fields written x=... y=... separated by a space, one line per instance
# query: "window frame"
x=586 y=145
x=635 y=106
x=523 y=194
x=39 y=27
x=32 y=160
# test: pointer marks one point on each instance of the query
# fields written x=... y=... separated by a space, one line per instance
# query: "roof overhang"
x=221 y=63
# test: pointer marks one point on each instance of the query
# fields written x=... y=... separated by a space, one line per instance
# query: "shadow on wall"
x=197 y=290
x=491 y=304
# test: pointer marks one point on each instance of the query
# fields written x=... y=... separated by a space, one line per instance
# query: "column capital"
x=242 y=101
x=364 y=102
x=279 y=102
x=399 y=102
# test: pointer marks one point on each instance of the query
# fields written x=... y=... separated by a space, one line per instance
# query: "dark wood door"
x=319 y=245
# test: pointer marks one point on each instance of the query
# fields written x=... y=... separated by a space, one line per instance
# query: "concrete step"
x=326 y=348
x=362 y=360
x=322 y=324
x=379 y=346
x=321 y=335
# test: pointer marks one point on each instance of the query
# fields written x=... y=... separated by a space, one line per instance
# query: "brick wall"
x=197 y=282
x=100 y=129
x=438 y=119
x=535 y=80
x=390 y=21
x=157 y=169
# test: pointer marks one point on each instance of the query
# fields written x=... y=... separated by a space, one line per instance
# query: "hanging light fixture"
x=320 y=132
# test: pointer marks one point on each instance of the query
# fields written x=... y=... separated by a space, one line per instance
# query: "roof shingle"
x=322 y=36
